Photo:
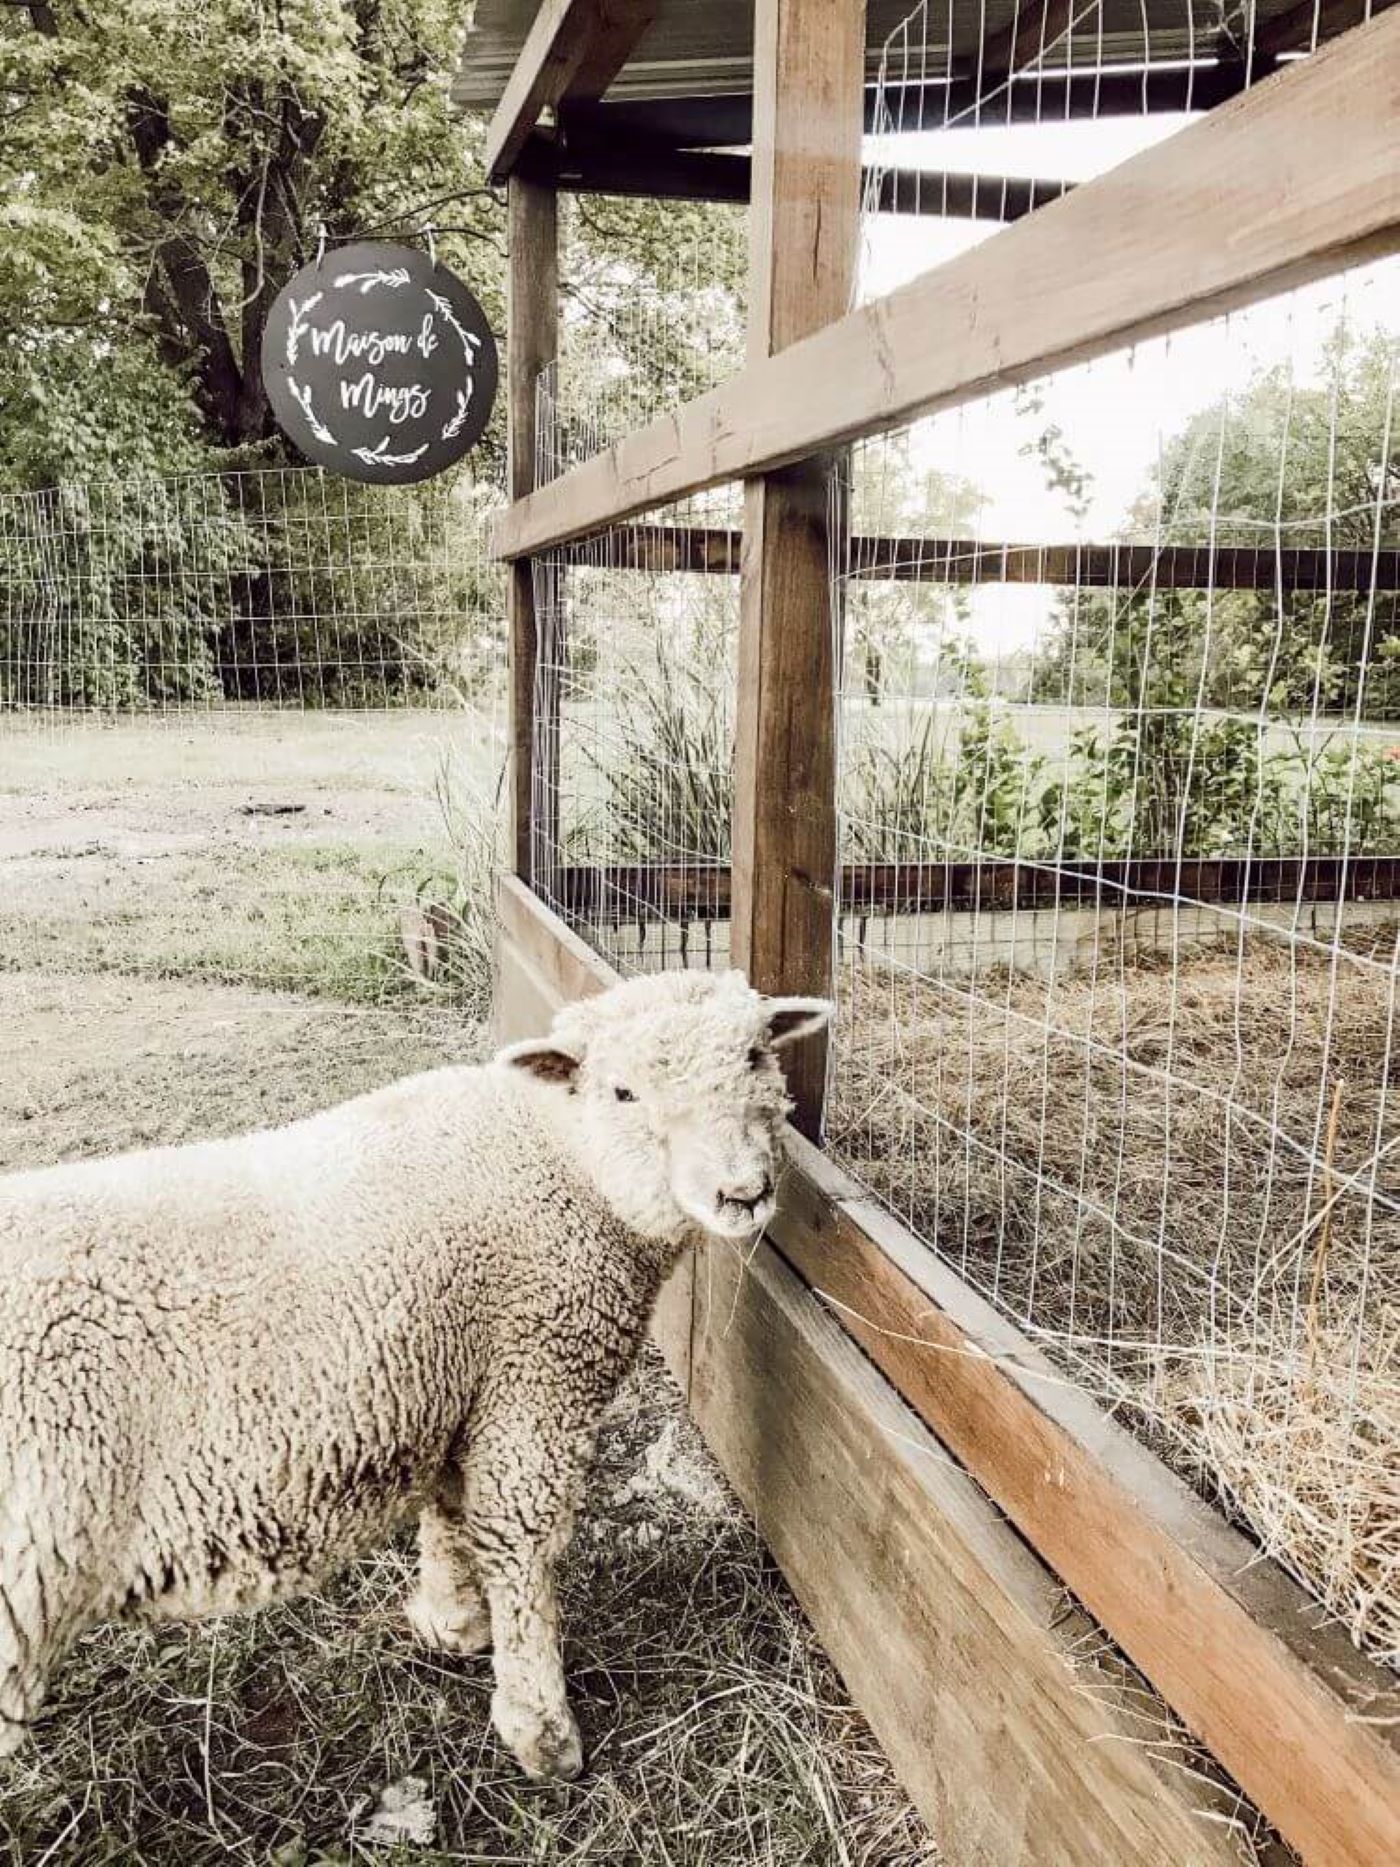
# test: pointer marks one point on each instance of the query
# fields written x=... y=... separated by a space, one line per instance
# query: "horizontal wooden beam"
x=616 y=894
x=725 y=120
x=1035 y=30
x=1132 y=567
x=1298 y=178
x=1311 y=22
x=1126 y=567
x=661 y=173
x=1309 y=1728
x=575 y=48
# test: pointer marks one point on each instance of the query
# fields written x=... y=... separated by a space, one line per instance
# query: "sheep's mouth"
x=735 y=1218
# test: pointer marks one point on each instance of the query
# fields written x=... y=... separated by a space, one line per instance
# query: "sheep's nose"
x=749 y=1193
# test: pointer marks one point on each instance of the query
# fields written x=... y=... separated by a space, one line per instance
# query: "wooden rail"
x=666 y=548
x=725 y=120
x=532 y=340
x=618 y=893
x=1296 y=178
x=804 y=237
x=918 y=1603
x=575 y=48
x=666 y=174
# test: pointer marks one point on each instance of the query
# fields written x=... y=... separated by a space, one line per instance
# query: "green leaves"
x=166 y=167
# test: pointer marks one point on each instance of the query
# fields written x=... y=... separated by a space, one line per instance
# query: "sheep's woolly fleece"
x=224 y=1368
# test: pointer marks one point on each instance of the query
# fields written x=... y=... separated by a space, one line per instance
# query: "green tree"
x=1308 y=466
x=895 y=629
x=164 y=168
x=167 y=167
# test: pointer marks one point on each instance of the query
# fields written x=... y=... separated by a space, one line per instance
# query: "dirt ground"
x=96 y=1063
x=242 y=846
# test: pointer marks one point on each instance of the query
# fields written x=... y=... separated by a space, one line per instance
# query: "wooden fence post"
x=809 y=68
x=532 y=329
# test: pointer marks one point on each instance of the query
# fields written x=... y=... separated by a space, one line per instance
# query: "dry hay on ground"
x=1186 y=1181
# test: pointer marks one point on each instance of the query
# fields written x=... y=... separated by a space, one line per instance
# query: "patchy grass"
x=319 y=918
x=100 y=1064
x=717 y=1733
x=271 y=849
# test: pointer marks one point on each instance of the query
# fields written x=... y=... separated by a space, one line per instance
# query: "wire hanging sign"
x=379 y=363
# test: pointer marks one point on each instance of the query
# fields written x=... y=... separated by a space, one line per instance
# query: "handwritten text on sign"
x=380 y=364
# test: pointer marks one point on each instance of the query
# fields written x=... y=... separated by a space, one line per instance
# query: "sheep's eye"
x=756 y=1056
x=624 y=1095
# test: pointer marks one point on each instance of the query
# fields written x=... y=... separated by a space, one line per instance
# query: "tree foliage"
x=164 y=168
x=1281 y=464
x=168 y=166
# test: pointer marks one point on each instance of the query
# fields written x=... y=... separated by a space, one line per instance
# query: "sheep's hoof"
x=548 y=1748
x=12 y=1737
x=453 y=1629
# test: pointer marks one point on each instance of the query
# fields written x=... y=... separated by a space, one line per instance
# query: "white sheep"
x=225 y=1368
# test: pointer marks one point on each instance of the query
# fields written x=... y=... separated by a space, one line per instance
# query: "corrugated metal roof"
x=696 y=48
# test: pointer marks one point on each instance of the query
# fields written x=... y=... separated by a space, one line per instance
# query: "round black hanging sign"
x=379 y=364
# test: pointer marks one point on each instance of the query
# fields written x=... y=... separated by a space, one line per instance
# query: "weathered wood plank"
x=1311 y=22
x=725 y=120
x=532 y=335
x=662 y=173
x=1035 y=28
x=908 y=559
x=951 y=1636
x=617 y=894
x=1297 y=178
x=804 y=224
x=1308 y=1727
x=575 y=48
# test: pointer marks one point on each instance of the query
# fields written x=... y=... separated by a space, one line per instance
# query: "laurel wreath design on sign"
x=377 y=456
x=380 y=457
x=368 y=280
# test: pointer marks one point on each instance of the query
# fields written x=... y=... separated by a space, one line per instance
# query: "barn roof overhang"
x=690 y=75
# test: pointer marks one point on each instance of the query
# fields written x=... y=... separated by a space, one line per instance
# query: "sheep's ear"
x=541 y=1058
x=791 y=1018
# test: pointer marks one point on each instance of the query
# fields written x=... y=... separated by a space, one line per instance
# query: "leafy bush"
x=263 y=586
x=114 y=596
x=669 y=794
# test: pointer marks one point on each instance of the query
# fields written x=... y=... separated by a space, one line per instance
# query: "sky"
x=1117 y=411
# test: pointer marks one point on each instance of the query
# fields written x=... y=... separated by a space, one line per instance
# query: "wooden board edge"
x=574 y=48
x=950 y=1634
x=1274 y=1689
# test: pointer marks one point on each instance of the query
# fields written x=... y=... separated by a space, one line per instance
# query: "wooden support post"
x=809 y=62
x=532 y=329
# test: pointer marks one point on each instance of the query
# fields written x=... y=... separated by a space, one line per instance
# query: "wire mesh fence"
x=1120 y=818
x=634 y=734
x=1117 y=909
x=251 y=732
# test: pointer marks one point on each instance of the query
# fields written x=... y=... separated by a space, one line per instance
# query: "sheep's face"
x=676 y=1099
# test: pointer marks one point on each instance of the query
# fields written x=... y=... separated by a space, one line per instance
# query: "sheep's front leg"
x=447 y=1609
x=523 y=1478
x=26 y=1654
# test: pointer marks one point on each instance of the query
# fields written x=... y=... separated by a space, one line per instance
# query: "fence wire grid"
x=1118 y=891
x=252 y=733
